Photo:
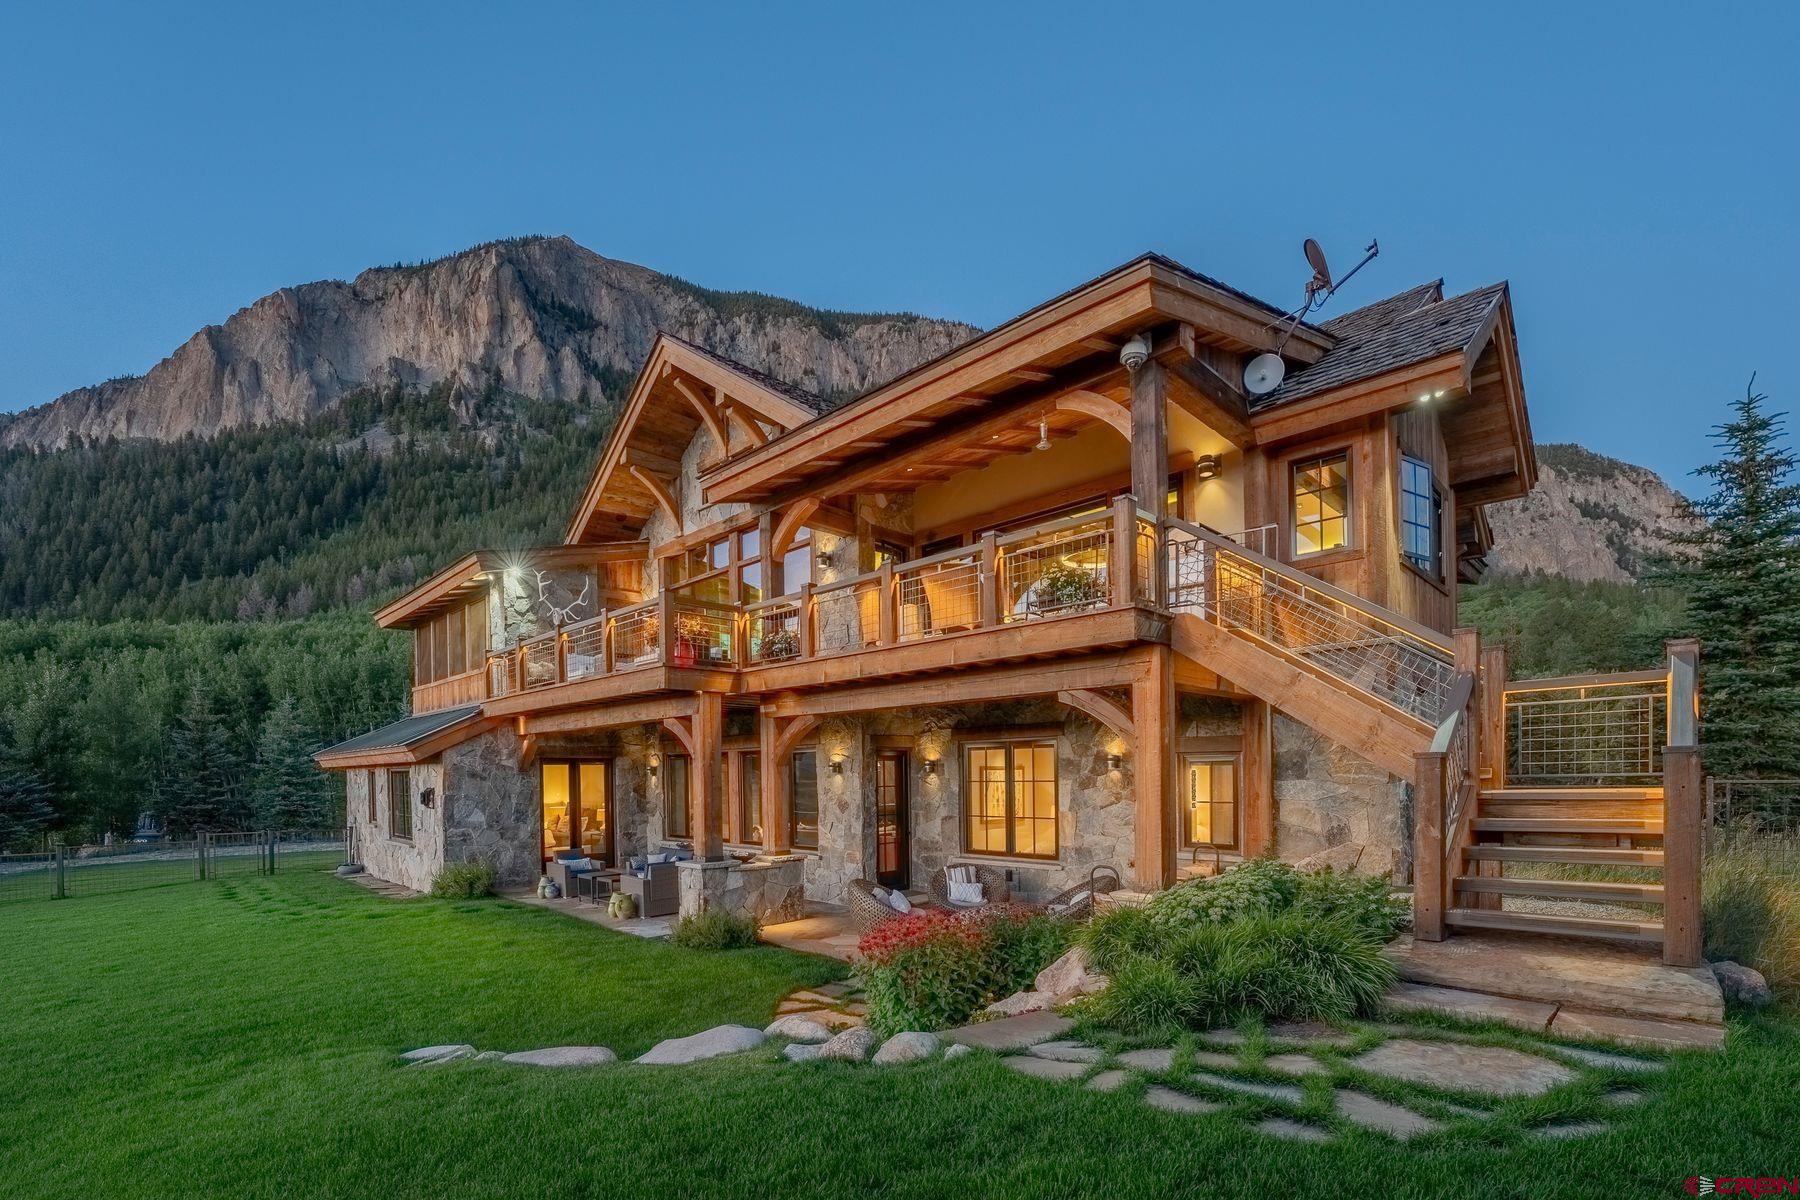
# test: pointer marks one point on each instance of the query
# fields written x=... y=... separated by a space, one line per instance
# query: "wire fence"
x=73 y=872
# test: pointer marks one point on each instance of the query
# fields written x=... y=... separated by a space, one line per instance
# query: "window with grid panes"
x=1010 y=799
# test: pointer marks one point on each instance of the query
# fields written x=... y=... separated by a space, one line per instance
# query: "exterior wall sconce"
x=655 y=766
x=837 y=764
x=428 y=798
x=1206 y=467
x=1114 y=761
x=934 y=766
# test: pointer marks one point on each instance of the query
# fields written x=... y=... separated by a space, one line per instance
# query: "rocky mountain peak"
x=1590 y=518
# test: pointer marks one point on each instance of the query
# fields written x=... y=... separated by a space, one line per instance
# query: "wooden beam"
x=1150 y=438
x=1093 y=404
x=747 y=423
x=528 y=748
x=683 y=729
x=1684 y=803
x=708 y=414
x=791 y=733
x=1102 y=708
x=1212 y=400
x=1118 y=669
x=658 y=487
x=706 y=791
x=1429 y=804
x=1153 y=773
x=612 y=716
x=789 y=525
x=1259 y=779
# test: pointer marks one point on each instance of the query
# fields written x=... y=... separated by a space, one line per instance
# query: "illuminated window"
x=400 y=805
x=675 y=795
x=1420 y=507
x=1209 y=801
x=1010 y=799
x=803 y=797
x=726 y=570
x=1321 y=504
x=797 y=564
x=750 y=797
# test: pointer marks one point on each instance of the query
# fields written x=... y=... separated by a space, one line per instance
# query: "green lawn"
x=238 y=1039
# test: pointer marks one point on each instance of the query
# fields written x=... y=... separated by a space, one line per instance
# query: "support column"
x=1684 y=788
x=1149 y=437
x=1155 y=779
x=776 y=835
x=1259 y=779
x=706 y=799
x=1428 y=847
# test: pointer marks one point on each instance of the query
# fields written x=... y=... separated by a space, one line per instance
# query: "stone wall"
x=770 y=891
x=1328 y=797
x=413 y=862
x=491 y=810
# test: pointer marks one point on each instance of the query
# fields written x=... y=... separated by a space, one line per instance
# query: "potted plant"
x=690 y=639
x=1065 y=587
x=783 y=643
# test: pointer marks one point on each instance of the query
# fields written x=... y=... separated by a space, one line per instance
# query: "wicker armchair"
x=992 y=880
x=1077 y=903
x=867 y=910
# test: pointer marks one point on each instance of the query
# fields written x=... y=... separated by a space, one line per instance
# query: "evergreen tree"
x=286 y=788
x=1742 y=571
x=25 y=810
x=201 y=788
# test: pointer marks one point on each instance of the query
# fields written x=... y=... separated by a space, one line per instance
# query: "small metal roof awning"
x=408 y=740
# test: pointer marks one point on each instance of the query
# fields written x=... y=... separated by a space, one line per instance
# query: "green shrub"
x=1116 y=936
x=1147 y=996
x=1367 y=900
x=939 y=968
x=1261 y=885
x=463 y=881
x=714 y=929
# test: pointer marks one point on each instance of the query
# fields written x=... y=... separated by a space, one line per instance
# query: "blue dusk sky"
x=1631 y=169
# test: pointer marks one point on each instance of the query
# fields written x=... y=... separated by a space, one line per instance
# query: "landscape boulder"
x=799 y=1052
x=852 y=1045
x=710 y=1043
x=1741 y=984
x=449 y=1052
x=1069 y=977
x=796 y=1028
x=1018 y=1003
x=905 y=1048
x=563 y=1056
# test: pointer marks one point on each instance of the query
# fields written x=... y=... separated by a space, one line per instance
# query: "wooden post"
x=1494 y=666
x=1149 y=438
x=665 y=625
x=706 y=783
x=1122 y=565
x=1153 y=772
x=887 y=614
x=1684 y=691
x=1683 y=831
x=803 y=621
x=1466 y=656
x=562 y=655
x=608 y=651
x=1259 y=779
x=989 y=558
x=1428 y=846
x=776 y=836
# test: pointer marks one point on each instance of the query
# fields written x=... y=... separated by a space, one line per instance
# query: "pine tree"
x=201 y=785
x=1742 y=572
x=286 y=788
x=25 y=810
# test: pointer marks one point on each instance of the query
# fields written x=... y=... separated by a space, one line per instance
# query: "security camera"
x=1134 y=352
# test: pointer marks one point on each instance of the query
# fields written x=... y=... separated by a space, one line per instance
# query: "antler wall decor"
x=559 y=615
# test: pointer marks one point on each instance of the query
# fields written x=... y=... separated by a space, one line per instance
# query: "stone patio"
x=595 y=914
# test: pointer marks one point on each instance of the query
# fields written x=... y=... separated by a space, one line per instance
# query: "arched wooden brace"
x=743 y=418
x=788 y=527
x=683 y=729
x=708 y=413
x=1093 y=404
x=658 y=487
x=1104 y=709
x=777 y=737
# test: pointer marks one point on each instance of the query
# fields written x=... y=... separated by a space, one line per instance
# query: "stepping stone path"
x=1494 y=1070
x=438 y=1054
x=835 y=1006
x=1432 y=1058
x=1381 y=1116
x=1070 y=1052
x=1170 y=1100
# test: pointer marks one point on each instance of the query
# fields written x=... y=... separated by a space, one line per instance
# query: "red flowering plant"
x=938 y=968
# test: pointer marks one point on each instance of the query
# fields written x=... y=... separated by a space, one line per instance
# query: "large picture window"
x=400 y=805
x=1011 y=799
x=803 y=794
x=1209 y=801
x=1322 y=503
x=451 y=643
x=675 y=796
x=726 y=570
x=1421 y=527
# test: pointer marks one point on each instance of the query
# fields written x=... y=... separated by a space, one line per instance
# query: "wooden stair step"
x=1575 y=793
x=1608 y=855
x=1609 y=810
x=1597 y=890
x=1555 y=925
x=1618 y=825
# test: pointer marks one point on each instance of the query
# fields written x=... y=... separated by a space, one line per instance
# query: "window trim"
x=793 y=791
x=1433 y=570
x=1010 y=745
x=369 y=778
x=666 y=776
x=1236 y=759
x=749 y=768
x=1308 y=458
x=406 y=792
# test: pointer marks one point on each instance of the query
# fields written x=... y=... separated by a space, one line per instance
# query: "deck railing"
x=1349 y=638
x=1587 y=730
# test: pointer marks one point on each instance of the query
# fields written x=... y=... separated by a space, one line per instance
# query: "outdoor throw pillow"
x=964 y=893
x=898 y=902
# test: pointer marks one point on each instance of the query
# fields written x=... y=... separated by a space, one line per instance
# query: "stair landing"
x=1577 y=988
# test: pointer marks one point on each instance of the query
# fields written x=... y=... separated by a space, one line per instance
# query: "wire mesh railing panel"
x=637 y=636
x=538 y=660
x=27 y=876
x=773 y=631
x=107 y=870
x=503 y=675
x=847 y=618
x=939 y=597
x=1609 y=736
x=704 y=635
x=584 y=648
x=1057 y=573
x=1143 y=574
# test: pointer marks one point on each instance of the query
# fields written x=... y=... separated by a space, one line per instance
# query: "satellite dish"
x=1263 y=374
x=1321 y=280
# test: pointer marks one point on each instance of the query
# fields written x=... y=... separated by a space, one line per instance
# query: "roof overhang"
x=467 y=576
x=678 y=392
x=1052 y=348
x=413 y=740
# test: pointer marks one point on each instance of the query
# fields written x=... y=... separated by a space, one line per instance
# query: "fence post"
x=62 y=872
x=1683 y=833
x=200 y=843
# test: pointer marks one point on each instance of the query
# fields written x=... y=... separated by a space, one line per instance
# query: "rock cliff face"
x=543 y=317
x=1590 y=518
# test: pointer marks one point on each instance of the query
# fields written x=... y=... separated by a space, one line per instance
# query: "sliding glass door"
x=577 y=804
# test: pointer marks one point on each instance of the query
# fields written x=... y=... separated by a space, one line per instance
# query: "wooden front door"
x=893 y=850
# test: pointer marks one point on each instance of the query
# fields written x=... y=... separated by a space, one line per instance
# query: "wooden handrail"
x=1565 y=683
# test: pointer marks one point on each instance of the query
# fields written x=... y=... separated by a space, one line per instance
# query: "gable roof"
x=1360 y=321
x=1391 y=334
x=798 y=395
